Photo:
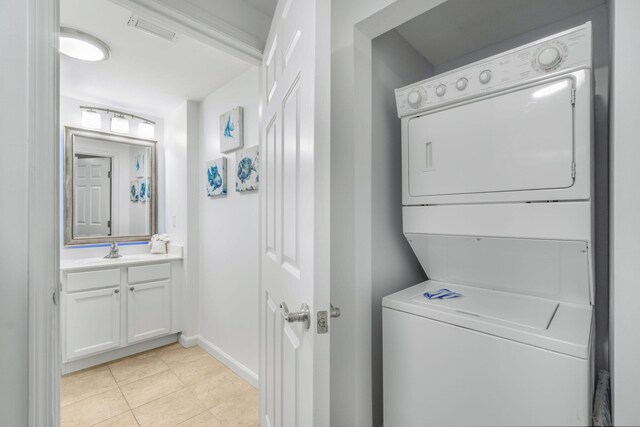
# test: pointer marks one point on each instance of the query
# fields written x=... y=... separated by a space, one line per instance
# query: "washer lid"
x=521 y=310
x=552 y=325
x=556 y=270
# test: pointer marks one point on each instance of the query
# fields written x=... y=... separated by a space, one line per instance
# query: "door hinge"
x=573 y=96
x=109 y=174
x=109 y=223
x=573 y=170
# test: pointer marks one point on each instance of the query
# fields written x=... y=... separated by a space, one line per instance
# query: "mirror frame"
x=69 y=135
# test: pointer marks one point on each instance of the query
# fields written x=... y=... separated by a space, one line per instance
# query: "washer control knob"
x=415 y=98
x=461 y=84
x=441 y=90
x=485 y=77
x=549 y=57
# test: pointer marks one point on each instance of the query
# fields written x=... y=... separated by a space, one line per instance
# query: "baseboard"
x=187 y=342
x=231 y=363
x=98 y=359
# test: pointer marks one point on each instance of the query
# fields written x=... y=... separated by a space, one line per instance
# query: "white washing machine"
x=497 y=184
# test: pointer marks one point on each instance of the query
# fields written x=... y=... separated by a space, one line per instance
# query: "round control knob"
x=549 y=57
x=461 y=84
x=415 y=98
x=485 y=77
x=441 y=90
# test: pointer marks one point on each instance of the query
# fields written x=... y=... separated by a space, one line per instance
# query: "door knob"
x=297 y=316
x=335 y=311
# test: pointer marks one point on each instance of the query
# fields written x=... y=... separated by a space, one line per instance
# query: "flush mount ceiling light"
x=85 y=47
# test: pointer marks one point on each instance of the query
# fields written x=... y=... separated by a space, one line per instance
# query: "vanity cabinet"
x=93 y=321
x=104 y=308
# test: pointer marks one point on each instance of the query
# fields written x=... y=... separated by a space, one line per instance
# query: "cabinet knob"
x=131 y=289
x=116 y=291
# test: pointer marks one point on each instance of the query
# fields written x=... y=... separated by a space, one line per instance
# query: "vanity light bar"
x=116 y=113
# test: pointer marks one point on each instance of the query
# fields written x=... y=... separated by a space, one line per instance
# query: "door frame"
x=43 y=214
x=44 y=354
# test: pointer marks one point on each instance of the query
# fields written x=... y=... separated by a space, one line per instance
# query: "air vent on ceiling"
x=151 y=28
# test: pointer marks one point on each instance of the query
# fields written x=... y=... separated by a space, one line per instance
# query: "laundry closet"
x=490 y=171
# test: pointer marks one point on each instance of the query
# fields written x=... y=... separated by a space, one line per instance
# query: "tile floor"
x=168 y=386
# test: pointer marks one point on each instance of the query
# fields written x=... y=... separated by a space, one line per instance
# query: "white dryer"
x=497 y=184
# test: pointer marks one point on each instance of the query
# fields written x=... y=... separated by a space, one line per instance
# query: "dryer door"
x=515 y=141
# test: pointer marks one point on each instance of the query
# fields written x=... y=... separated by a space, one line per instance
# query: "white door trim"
x=44 y=214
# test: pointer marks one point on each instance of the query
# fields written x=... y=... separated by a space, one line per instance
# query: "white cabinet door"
x=93 y=321
x=149 y=310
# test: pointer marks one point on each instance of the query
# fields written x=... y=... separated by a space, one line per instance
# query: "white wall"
x=228 y=292
x=71 y=115
x=625 y=205
x=181 y=207
x=394 y=265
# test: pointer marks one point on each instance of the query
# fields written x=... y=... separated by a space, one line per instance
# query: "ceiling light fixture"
x=119 y=124
x=119 y=121
x=91 y=119
x=85 y=47
x=146 y=130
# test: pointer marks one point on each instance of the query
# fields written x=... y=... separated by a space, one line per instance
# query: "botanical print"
x=231 y=132
x=217 y=177
x=143 y=189
x=247 y=176
x=133 y=191
x=139 y=165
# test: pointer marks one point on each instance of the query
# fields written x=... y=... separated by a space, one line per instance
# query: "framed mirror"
x=110 y=188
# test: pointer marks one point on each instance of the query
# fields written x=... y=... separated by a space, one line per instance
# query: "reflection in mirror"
x=110 y=185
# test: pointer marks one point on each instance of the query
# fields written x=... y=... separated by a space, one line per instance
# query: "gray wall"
x=14 y=193
x=625 y=205
x=394 y=266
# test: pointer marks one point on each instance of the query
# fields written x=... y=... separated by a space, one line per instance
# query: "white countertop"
x=133 y=259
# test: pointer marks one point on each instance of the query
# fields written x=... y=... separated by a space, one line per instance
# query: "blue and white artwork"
x=143 y=190
x=138 y=165
x=217 y=177
x=134 y=191
x=231 y=132
x=247 y=176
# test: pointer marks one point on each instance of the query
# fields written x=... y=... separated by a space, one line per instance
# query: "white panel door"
x=149 y=310
x=92 y=197
x=517 y=141
x=294 y=194
x=92 y=321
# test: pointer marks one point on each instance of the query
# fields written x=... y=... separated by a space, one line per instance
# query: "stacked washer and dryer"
x=498 y=206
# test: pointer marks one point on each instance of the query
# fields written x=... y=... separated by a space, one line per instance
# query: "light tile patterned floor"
x=168 y=386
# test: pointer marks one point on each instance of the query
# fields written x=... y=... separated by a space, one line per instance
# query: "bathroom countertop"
x=133 y=259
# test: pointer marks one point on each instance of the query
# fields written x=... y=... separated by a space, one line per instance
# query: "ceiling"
x=454 y=29
x=145 y=73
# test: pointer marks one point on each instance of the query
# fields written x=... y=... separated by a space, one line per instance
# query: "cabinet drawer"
x=148 y=273
x=95 y=279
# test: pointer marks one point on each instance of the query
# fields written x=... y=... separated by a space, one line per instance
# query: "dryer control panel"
x=560 y=53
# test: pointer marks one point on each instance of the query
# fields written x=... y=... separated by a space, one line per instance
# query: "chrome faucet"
x=113 y=253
